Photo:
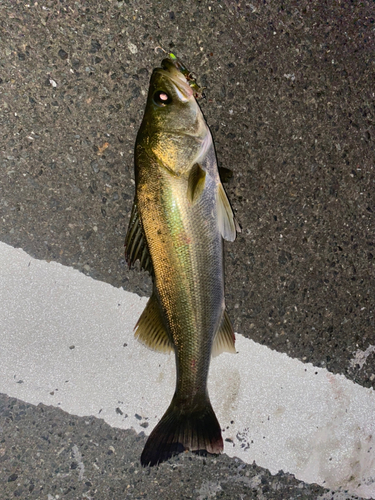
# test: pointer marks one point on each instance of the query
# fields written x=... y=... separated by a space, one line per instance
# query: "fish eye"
x=161 y=98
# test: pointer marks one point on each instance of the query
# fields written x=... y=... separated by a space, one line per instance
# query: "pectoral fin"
x=227 y=223
x=135 y=242
x=224 y=339
x=150 y=329
x=196 y=182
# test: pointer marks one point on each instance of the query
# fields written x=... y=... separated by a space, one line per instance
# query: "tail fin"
x=183 y=429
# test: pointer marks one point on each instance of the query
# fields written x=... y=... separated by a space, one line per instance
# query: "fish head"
x=173 y=127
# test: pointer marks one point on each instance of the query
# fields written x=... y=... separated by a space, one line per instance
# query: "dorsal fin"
x=225 y=174
x=135 y=242
x=150 y=329
x=224 y=339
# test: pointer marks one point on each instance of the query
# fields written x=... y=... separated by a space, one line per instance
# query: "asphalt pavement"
x=290 y=100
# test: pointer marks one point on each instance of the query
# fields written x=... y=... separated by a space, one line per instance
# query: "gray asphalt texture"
x=290 y=103
x=49 y=452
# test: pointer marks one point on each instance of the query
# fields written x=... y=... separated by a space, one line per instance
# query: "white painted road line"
x=67 y=340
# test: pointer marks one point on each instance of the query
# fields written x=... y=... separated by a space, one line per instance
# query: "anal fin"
x=224 y=339
x=150 y=329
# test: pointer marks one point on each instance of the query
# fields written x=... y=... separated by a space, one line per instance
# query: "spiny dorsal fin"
x=225 y=174
x=224 y=339
x=228 y=225
x=196 y=182
x=135 y=243
x=150 y=329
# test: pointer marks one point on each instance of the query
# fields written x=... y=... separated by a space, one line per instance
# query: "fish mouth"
x=183 y=82
x=177 y=79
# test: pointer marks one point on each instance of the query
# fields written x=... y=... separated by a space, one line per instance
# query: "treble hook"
x=156 y=49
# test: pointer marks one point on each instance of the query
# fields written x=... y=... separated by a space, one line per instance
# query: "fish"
x=180 y=216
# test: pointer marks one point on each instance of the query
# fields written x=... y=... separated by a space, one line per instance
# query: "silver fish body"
x=179 y=219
